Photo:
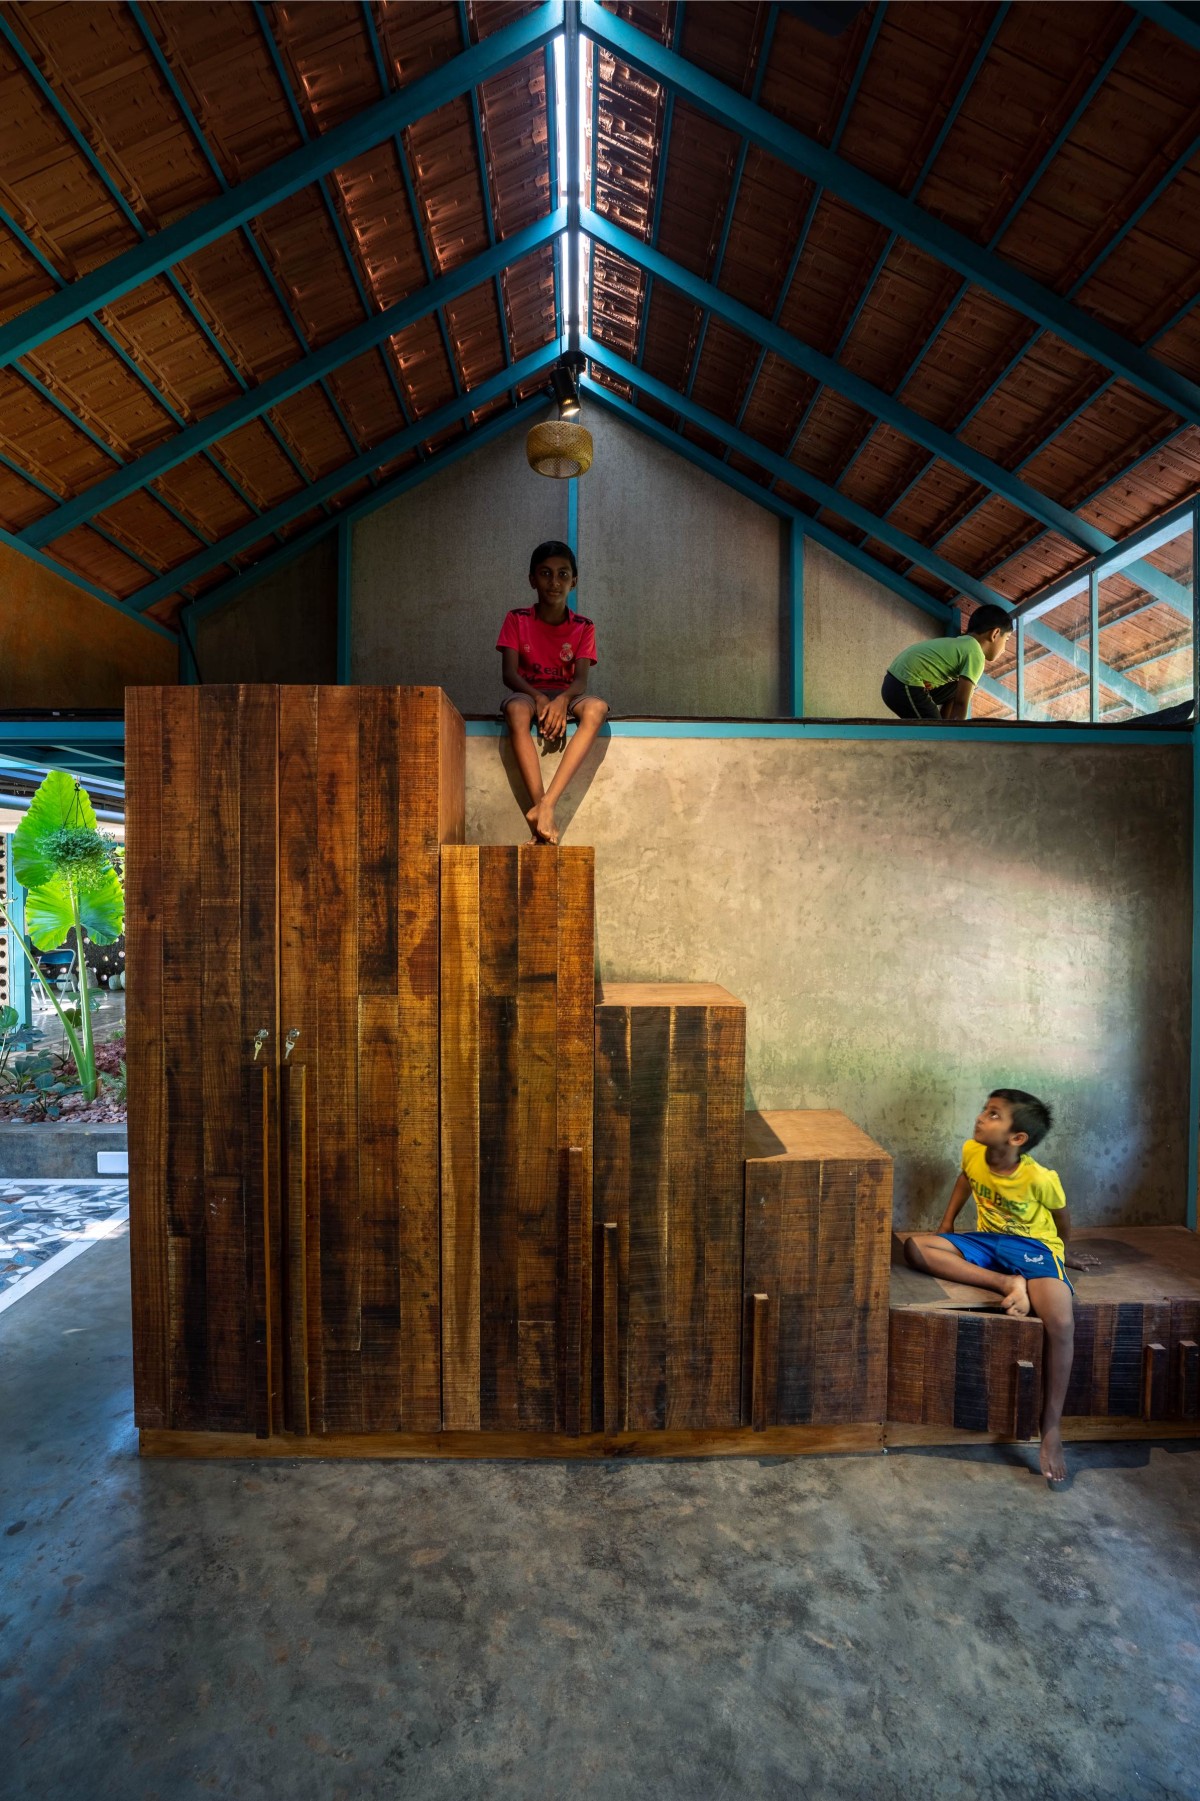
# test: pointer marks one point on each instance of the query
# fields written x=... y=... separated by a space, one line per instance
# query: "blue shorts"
x=1009 y=1252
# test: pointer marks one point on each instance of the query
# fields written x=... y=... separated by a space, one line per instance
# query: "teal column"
x=1020 y=666
x=344 y=622
x=573 y=515
x=795 y=589
x=189 y=671
x=1094 y=647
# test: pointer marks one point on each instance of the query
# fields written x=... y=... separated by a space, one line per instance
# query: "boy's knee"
x=518 y=715
x=592 y=709
x=912 y=1250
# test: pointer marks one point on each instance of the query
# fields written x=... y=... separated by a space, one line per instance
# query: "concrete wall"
x=681 y=575
x=910 y=925
x=60 y=647
x=283 y=629
x=853 y=628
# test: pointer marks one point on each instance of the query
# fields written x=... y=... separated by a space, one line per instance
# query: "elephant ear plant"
x=66 y=866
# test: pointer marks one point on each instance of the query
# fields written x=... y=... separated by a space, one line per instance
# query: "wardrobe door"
x=368 y=779
x=202 y=1049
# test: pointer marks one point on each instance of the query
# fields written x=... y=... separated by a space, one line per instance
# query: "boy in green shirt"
x=936 y=678
x=1020 y=1248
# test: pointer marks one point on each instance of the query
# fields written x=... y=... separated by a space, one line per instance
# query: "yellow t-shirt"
x=1023 y=1203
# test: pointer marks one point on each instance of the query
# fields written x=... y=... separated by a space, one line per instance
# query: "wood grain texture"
x=774 y=1441
x=817 y=1242
x=517 y=938
x=285 y=881
x=670 y=1074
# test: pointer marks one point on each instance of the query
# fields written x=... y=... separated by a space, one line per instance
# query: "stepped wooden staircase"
x=404 y=1182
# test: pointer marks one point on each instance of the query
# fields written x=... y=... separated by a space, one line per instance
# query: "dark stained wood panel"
x=201 y=912
x=818 y=1198
x=517 y=992
x=283 y=893
x=670 y=1078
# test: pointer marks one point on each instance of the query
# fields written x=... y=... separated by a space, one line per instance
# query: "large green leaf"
x=57 y=803
x=102 y=909
x=48 y=916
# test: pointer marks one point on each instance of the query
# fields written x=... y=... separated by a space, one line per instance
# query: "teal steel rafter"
x=864 y=394
x=939 y=240
x=440 y=460
x=307 y=371
x=849 y=510
x=244 y=202
x=357 y=469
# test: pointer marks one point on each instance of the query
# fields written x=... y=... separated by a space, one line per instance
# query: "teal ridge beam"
x=228 y=211
x=846 y=509
x=389 y=490
x=912 y=222
x=308 y=370
x=882 y=405
x=529 y=368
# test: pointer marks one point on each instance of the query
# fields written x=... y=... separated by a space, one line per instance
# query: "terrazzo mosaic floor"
x=44 y=1225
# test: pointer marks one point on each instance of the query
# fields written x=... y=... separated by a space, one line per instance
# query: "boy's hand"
x=1082 y=1260
x=552 y=718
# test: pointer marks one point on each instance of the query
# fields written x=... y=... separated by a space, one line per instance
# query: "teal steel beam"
x=863 y=393
x=763 y=497
x=928 y=233
x=467 y=445
x=854 y=514
x=795 y=588
x=306 y=372
x=341 y=144
x=398 y=444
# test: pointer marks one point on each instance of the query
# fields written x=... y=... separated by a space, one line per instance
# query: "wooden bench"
x=956 y=1360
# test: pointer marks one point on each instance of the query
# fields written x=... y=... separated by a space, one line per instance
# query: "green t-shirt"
x=937 y=661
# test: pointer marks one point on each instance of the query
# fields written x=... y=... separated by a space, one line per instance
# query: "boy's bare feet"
x=1015 y=1301
x=1052 y=1457
x=541 y=820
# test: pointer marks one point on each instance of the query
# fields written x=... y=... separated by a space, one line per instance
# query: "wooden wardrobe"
x=283 y=851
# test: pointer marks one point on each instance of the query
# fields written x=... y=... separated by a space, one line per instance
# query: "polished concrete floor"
x=919 y=1625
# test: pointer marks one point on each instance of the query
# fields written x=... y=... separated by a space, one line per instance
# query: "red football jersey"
x=546 y=653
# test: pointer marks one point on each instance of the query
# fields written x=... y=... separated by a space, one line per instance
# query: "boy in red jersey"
x=547 y=651
x=1019 y=1250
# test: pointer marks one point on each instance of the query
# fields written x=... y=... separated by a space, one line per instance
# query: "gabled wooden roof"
x=259 y=261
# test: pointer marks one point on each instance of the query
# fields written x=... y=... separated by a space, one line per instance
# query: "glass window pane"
x=1057 y=646
x=1146 y=632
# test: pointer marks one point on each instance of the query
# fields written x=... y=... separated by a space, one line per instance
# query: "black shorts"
x=915 y=703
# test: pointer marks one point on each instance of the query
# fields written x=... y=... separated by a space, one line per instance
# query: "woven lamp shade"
x=559 y=447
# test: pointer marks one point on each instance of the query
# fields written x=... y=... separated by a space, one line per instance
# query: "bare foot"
x=1052 y=1457
x=1016 y=1298
x=541 y=819
x=531 y=814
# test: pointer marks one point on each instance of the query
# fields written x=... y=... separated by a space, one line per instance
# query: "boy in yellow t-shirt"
x=1019 y=1250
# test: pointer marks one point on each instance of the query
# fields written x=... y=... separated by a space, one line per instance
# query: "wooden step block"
x=670 y=1082
x=518 y=993
x=969 y=1370
x=1136 y=1315
x=818 y=1227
